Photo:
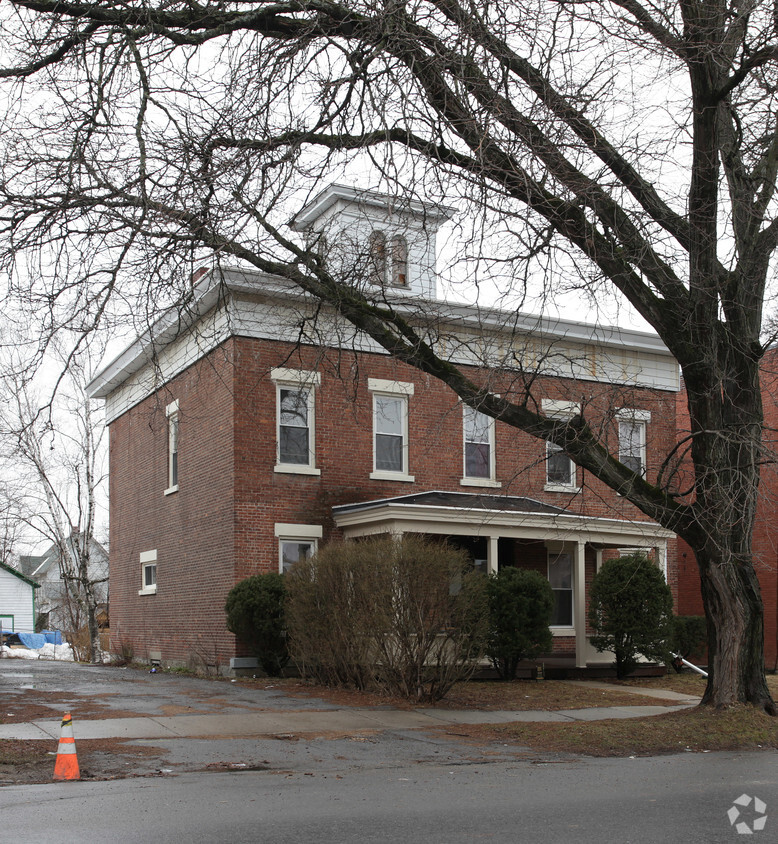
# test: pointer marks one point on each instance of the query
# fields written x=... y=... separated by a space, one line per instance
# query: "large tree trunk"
x=726 y=418
x=733 y=608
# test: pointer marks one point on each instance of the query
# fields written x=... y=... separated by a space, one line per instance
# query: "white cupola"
x=375 y=239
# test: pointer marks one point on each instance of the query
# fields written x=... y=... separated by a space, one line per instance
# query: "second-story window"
x=295 y=429
x=172 y=446
x=632 y=438
x=390 y=432
x=294 y=426
x=560 y=469
x=479 y=445
x=390 y=429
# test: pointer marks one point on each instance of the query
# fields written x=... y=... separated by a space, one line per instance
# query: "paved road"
x=383 y=782
x=631 y=801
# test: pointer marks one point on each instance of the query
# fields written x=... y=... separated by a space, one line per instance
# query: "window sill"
x=561 y=488
x=482 y=482
x=392 y=476
x=148 y=590
x=562 y=631
x=171 y=489
x=292 y=469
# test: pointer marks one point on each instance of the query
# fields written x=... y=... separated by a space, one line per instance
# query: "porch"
x=500 y=530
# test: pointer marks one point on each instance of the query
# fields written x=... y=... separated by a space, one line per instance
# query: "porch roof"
x=478 y=514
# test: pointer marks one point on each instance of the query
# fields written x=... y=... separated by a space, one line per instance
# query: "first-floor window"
x=150 y=576
x=148 y=562
x=294 y=550
x=295 y=543
x=560 y=576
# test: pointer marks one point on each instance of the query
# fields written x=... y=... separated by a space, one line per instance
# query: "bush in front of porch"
x=407 y=616
x=520 y=606
x=631 y=611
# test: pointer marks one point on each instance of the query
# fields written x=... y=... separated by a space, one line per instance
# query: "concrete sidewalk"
x=345 y=720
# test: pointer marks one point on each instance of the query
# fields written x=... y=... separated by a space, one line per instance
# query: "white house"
x=17 y=601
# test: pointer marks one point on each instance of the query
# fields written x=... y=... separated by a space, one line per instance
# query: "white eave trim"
x=326 y=198
x=503 y=522
x=215 y=286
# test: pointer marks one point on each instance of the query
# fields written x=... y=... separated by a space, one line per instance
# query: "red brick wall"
x=191 y=530
x=219 y=527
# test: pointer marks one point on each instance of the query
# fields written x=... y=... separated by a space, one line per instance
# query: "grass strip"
x=698 y=729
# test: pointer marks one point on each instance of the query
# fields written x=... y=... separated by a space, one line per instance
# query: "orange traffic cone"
x=66 y=766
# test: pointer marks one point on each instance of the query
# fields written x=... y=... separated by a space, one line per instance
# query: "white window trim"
x=147 y=558
x=553 y=486
x=491 y=482
x=299 y=378
x=288 y=532
x=394 y=389
x=559 y=409
x=554 y=550
x=399 y=388
x=171 y=412
x=626 y=414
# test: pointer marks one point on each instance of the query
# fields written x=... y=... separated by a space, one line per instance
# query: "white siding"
x=16 y=599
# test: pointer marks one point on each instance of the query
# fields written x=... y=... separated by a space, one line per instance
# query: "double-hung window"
x=560 y=576
x=560 y=469
x=295 y=543
x=632 y=438
x=390 y=429
x=295 y=429
x=478 y=457
x=171 y=412
x=148 y=563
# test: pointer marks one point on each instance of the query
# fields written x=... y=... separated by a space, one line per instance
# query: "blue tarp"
x=53 y=637
x=33 y=641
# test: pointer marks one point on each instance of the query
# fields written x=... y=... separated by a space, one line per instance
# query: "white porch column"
x=491 y=555
x=579 y=598
x=661 y=554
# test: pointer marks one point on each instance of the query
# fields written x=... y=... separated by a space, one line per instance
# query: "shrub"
x=630 y=610
x=689 y=632
x=408 y=616
x=520 y=607
x=255 y=614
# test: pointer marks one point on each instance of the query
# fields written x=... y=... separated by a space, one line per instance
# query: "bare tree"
x=52 y=454
x=617 y=146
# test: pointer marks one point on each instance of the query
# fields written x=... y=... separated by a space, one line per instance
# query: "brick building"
x=256 y=424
